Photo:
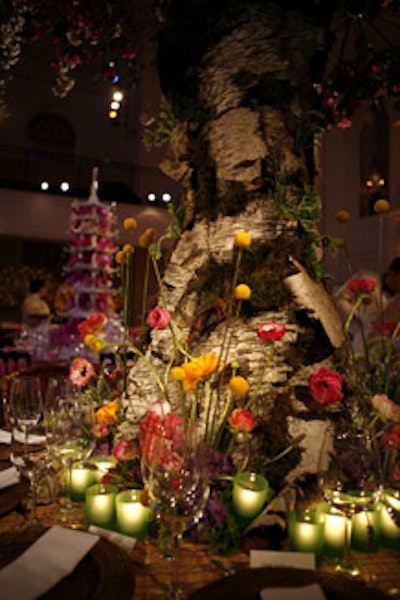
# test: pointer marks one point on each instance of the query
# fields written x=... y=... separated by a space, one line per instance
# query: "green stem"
x=145 y=290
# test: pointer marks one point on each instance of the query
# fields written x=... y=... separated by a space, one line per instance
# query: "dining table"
x=141 y=571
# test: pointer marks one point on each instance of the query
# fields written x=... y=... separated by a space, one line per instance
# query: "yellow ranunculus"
x=94 y=343
x=129 y=223
x=197 y=368
x=382 y=206
x=177 y=374
x=242 y=239
x=242 y=292
x=239 y=385
x=107 y=414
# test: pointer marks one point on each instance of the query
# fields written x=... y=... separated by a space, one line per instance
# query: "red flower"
x=92 y=325
x=159 y=318
x=326 y=386
x=361 y=285
x=271 y=332
x=387 y=327
x=242 y=420
x=125 y=450
x=391 y=439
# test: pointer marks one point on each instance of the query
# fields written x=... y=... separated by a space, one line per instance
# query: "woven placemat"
x=247 y=584
x=106 y=571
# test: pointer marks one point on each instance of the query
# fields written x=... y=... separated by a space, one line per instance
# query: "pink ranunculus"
x=81 y=371
x=242 y=420
x=391 y=439
x=160 y=407
x=361 y=285
x=124 y=450
x=100 y=430
x=271 y=332
x=159 y=318
x=326 y=386
x=388 y=410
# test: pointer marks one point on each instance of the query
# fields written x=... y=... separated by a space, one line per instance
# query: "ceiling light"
x=118 y=96
x=64 y=187
x=44 y=185
x=166 y=197
x=151 y=197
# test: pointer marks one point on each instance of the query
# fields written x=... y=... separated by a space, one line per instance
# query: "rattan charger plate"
x=247 y=584
x=106 y=571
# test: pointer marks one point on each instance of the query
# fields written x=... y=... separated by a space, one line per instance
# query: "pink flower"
x=160 y=407
x=242 y=420
x=326 y=386
x=344 y=123
x=159 y=318
x=361 y=285
x=81 y=370
x=391 y=439
x=100 y=430
x=271 y=332
x=388 y=410
x=124 y=450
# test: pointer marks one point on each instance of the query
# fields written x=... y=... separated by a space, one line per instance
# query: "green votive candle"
x=102 y=464
x=306 y=532
x=390 y=531
x=80 y=479
x=132 y=516
x=249 y=494
x=100 y=505
x=365 y=530
x=334 y=530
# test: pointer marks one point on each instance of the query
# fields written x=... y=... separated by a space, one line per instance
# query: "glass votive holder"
x=80 y=479
x=390 y=531
x=100 y=505
x=101 y=465
x=132 y=516
x=306 y=532
x=249 y=494
x=334 y=530
x=365 y=530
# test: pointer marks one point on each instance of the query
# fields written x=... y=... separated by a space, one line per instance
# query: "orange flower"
x=197 y=368
x=107 y=414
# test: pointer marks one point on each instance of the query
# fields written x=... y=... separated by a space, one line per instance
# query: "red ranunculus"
x=159 y=318
x=93 y=324
x=271 y=332
x=361 y=285
x=242 y=420
x=391 y=439
x=326 y=386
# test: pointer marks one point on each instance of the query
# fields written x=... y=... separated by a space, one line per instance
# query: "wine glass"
x=178 y=490
x=25 y=410
x=348 y=480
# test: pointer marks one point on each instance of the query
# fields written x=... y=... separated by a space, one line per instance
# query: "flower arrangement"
x=206 y=393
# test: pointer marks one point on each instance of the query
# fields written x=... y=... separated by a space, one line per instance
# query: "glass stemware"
x=25 y=410
x=348 y=481
x=178 y=490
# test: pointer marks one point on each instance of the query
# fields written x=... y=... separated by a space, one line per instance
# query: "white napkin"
x=53 y=556
x=9 y=476
x=5 y=436
x=33 y=438
x=311 y=592
x=125 y=542
x=272 y=558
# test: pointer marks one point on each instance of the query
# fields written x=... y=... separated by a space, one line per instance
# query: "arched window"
x=374 y=161
x=51 y=137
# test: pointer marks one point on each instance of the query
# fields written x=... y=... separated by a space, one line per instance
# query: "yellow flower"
x=239 y=385
x=107 y=414
x=128 y=249
x=94 y=343
x=177 y=374
x=130 y=223
x=242 y=292
x=120 y=257
x=242 y=239
x=382 y=206
x=197 y=368
x=342 y=216
x=147 y=238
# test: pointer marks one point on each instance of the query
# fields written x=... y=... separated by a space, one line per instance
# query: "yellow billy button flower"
x=130 y=223
x=128 y=249
x=342 y=216
x=120 y=257
x=177 y=374
x=242 y=239
x=242 y=292
x=381 y=206
x=147 y=238
x=239 y=385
